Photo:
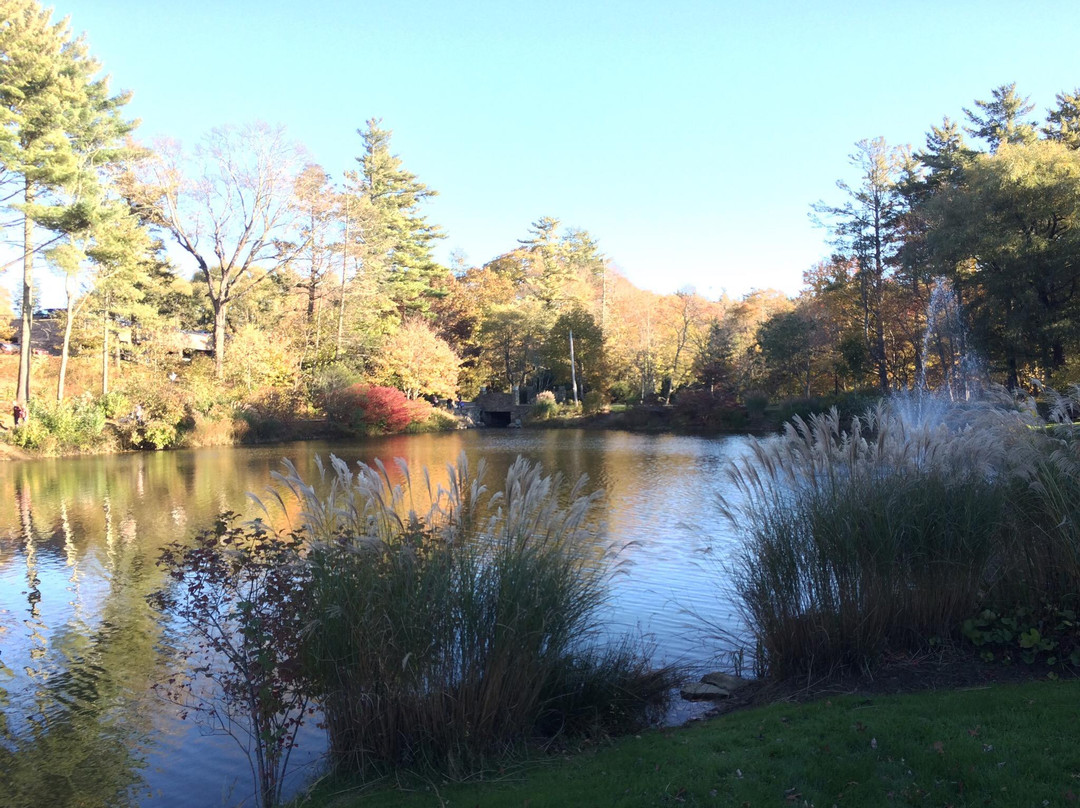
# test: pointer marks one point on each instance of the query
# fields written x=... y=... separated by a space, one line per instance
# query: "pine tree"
x=398 y=243
x=1063 y=122
x=59 y=127
x=1000 y=120
x=867 y=228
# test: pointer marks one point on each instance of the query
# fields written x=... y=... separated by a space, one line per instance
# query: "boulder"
x=699 y=691
x=725 y=681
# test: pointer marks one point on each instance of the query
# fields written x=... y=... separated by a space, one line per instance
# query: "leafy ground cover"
x=996 y=745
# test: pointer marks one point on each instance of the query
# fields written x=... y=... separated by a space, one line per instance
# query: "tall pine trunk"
x=22 y=390
x=69 y=284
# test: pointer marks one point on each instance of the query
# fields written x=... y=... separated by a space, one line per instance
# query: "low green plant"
x=1049 y=634
x=76 y=424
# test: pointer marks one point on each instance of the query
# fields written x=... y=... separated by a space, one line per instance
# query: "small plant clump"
x=544 y=406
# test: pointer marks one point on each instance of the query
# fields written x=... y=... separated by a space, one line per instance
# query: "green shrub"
x=115 y=404
x=158 y=434
x=756 y=402
x=707 y=411
x=76 y=424
x=329 y=379
x=593 y=402
x=623 y=392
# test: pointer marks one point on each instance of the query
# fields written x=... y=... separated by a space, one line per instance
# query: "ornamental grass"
x=884 y=534
x=450 y=625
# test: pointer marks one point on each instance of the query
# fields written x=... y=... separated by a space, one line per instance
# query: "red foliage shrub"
x=374 y=410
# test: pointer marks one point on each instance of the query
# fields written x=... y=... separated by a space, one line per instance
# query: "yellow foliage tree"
x=419 y=362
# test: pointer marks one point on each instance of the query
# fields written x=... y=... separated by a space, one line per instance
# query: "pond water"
x=80 y=648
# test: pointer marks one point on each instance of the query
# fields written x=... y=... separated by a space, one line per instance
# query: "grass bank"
x=1005 y=745
x=698 y=412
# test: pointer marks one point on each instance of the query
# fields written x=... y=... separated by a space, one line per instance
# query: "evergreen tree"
x=1000 y=120
x=867 y=228
x=713 y=364
x=1063 y=122
x=944 y=156
x=59 y=127
x=105 y=260
x=398 y=242
x=1010 y=235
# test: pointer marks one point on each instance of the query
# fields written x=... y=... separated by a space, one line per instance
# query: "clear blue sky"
x=689 y=138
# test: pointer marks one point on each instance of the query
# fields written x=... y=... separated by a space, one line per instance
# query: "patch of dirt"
x=8 y=452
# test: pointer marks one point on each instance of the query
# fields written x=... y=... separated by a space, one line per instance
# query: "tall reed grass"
x=885 y=534
x=450 y=623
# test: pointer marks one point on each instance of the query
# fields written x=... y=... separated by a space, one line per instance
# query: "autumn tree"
x=231 y=208
x=317 y=217
x=459 y=316
x=418 y=362
x=683 y=319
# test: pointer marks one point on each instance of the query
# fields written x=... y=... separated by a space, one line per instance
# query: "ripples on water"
x=80 y=648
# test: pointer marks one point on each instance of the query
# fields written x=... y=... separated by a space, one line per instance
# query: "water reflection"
x=80 y=648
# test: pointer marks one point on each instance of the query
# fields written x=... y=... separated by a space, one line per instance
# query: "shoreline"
x=655 y=422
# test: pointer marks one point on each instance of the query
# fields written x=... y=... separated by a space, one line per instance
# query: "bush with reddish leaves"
x=374 y=410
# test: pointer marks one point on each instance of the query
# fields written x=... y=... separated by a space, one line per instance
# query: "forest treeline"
x=312 y=278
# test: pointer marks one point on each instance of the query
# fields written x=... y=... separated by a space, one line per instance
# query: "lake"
x=80 y=649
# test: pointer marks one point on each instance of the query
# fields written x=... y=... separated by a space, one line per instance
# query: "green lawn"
x=1014 y=745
